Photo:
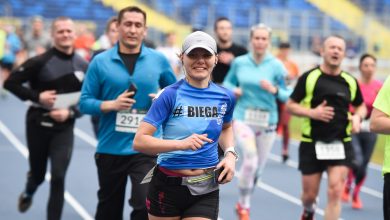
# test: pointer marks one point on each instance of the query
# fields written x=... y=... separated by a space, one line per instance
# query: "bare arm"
x=380 y=122
x=145 y=142
x=360 y=113
x=228 y=163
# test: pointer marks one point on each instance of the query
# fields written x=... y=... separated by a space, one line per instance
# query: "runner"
x=195 y=115
x=257 y=79
x=323 y=96
x=117 y=87
x=49 y=129
x=380 y=123
x=364 y=141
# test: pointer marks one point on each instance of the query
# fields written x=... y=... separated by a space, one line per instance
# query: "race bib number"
x=128 y=120
x=257 y=117
x=330 y=151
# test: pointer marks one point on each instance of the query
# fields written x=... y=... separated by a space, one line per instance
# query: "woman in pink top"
x=364 y=141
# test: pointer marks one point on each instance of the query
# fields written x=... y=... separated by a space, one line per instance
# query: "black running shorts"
x=309 y=164
x=170 y=199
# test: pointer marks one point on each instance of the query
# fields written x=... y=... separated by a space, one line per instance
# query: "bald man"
x=322 y=97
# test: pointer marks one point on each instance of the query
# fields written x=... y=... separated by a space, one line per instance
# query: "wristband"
x=232 y=151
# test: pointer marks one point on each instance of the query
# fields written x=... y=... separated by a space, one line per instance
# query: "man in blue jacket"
x=118 y=87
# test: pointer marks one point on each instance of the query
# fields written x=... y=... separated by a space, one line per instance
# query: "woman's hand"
x=194 y=142
x=228 y=164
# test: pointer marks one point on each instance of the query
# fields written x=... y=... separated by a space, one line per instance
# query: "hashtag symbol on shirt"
x=178 y=111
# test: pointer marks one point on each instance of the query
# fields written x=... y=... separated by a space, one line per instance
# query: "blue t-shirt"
x=183 y=110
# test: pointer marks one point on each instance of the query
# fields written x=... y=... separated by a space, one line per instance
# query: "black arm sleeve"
x=299 y=92
x=25 y=73
x=359 y=97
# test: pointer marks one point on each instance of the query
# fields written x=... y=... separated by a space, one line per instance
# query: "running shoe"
x=242 y=213
x=357 y=203
x=307 y=215
x=25 y=202
x=345 y=195
x=285 y=158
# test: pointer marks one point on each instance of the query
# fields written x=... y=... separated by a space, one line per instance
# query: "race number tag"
x=128 y=120
x=330 y=151
x=257 y=117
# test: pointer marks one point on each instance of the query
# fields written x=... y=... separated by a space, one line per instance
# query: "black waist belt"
x=169 y=180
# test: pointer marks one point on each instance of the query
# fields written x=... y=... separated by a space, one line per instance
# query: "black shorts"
x=170 y=199
x=309 y=164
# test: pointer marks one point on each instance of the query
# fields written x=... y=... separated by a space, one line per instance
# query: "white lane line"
x=23 y=150
x=85 y=137
x=286 y=196
x=293 y=164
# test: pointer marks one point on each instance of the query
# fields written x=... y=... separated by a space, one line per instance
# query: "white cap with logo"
x=199 y=39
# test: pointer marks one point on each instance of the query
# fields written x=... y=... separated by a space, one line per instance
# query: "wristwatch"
x=231 y=150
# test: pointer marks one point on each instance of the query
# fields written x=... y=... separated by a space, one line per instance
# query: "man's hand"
x=194 y=142
x=59 y=115
x=225 y=57
x=47 y=98
x=123 y=101
x=322 y=112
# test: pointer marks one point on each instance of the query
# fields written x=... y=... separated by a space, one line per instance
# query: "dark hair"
x=284 y=45
x=131 y=9
x=113 y=19
x=364 y=56
x=60 y=18
x=219 y=20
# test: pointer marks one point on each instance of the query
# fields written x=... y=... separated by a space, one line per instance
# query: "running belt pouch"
x=201 y=187
x=148 y=176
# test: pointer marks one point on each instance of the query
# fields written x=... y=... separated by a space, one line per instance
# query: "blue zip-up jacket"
x=246 y=74
x=107 y=77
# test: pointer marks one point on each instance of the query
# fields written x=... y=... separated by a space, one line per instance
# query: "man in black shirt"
x=227 y=50
x=49 y=129
x=323 y=96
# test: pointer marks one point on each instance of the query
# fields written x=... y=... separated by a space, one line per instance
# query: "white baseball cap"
x=199 y=39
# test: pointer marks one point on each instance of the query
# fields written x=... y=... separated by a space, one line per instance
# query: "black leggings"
x=386 y=197
x=113 y=173
x=363 y=144
x=57 y=145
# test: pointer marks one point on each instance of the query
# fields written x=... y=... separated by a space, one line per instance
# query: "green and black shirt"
x=339 y=91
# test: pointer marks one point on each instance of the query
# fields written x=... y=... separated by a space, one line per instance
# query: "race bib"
x=257 y=117
x=330 y=151
x=128 y=120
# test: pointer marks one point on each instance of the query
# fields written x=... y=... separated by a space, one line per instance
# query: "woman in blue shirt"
x=195 y=115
